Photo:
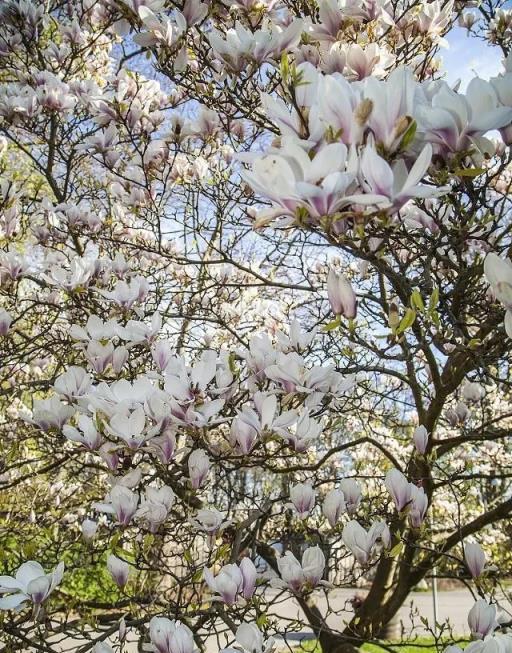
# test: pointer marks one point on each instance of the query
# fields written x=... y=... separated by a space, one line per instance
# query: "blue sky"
x=467 y=57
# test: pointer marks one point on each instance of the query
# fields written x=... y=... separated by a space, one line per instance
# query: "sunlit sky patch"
x=467 y=57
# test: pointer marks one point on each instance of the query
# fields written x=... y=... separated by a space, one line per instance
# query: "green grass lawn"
x=420 y=645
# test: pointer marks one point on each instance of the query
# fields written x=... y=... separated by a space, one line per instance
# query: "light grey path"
x=453 y=606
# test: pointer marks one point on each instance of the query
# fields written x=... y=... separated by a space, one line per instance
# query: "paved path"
x=453 y=606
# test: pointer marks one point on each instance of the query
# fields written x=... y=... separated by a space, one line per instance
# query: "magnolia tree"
x=256 y=306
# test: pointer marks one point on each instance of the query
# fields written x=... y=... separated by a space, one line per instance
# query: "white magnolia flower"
x=301 y=575
x=361 y=542
x=122 y=503
x=391 y=187
x=499 y=274
x=250 y=638
x=399 y=488
x=51 y=413
x=198 y=467
x=86 y=433
x=351 y=493
x=294 y=181
x=5 y=322
x=89 y=529
x=155 y=505
x=420 y=439
x=30 y=583
x=129 y=427
x=170 y=636
x=455 y=122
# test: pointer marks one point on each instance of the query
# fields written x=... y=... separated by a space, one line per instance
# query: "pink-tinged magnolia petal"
x=508 y=323
x=13 y=601
x=249 y=575
x=10 y=583
x=39 y=588
x=29 y=571
x=420 y=167
x=328 y=160
x=377 y=173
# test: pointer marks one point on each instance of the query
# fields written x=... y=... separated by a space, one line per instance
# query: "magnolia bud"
x=249 y=636
x=334 y=506
x=351 y=494
x=475 y=558
x=89 y=529
x=198 y=467
x=341 y=296
x=472 y=392
x=420 y=439
x=399 y=488
x=482 y=619
x=118 y=569
x=303 y=499
x=418 y=506
x=467 y=20
x=313 y=565
x=5 y=322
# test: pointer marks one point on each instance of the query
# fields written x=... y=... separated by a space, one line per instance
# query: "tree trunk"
x=391 y=630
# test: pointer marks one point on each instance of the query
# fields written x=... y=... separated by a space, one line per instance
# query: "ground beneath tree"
x=453 y=607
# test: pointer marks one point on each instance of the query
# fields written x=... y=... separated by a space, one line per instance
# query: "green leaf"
x=409 y=135
x=262 y=620
x=285 y=67
x=332 y=325
x=396 y=550
x=417 y=301
x=148 y=542
x=114 y=541
x=407 y=320
x=469 y=172
x=434 y=300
